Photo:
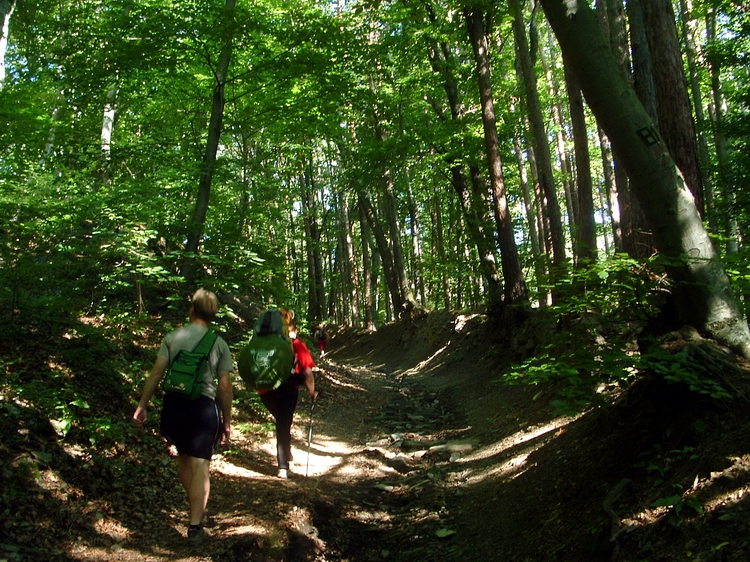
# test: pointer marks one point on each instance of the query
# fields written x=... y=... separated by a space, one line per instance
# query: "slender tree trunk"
x=349 y=288
x=406 y=296
x=702 y=291
x=314 y=304
x=310 y=216
x=6 y=11
x=561 y=136
x=105 y=137
x=439 y=245
x=515 y=287
x=391 y=278
x=610 y=186
x=417 y=270
x=643 y=75
x=484 y=243
x=540 y=142
x=586 y=236
x=691 y=54
x=366 y=268
x=531 y=221
x=195 y=232
x=726 y=177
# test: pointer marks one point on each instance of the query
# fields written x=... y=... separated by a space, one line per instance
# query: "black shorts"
x=193 y=426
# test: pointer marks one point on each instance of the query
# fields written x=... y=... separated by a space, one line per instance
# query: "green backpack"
x=185 y=374
x=268 y=358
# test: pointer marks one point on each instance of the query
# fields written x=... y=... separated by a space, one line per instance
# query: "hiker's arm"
x=224 y=399
x=310 y=383
x=149 y=389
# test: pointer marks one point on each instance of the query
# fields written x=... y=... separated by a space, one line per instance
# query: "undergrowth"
x=594 y=353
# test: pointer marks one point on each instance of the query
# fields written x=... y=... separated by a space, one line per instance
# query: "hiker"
x=282 y=402
x=194 y=426
x=321 y=338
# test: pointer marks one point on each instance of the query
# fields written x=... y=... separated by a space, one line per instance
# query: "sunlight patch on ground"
x=246 y=530
x=528 y=434
x=116 y=552
x=338 y=382
x=421 y=365
x=226 y=468
x=331 y=445
x=319 y=463
x=369 y=516
x=504 y=470
x=462 y=320
x=111 y=528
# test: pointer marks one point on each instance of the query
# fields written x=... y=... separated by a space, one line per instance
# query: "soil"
x=419 y=454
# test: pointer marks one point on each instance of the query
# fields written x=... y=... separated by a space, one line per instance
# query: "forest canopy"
x=359 y=160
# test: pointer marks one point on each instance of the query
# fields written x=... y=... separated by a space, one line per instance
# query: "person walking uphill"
x=194 y=426
x=321 y=338
x=282 y=402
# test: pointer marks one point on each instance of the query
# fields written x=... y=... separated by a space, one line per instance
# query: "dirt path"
x=368 y=494
x=418 y=455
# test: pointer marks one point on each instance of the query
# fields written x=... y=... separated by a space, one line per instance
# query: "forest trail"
x=419 y=454
x=366 y=488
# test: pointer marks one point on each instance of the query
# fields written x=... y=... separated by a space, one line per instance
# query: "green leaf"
x=442 y=533
x=668 y=501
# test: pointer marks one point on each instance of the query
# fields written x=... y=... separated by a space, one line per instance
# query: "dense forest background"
x=352 y=160
x=571 y=173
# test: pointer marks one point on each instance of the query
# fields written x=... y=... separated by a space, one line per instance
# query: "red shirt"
x=302 y=357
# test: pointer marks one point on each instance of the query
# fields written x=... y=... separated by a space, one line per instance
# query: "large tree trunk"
x=195 y=228
x=703 y=295
x=515 y=287
x=634 y=234
x=676 y=124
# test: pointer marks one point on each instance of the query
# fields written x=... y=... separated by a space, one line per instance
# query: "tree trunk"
x=316 y=298
x=586 y=236
x=540 y=142
x=610 y=186
x=515 y=287
x=366 y=268
x=439 y=247
x=391 y=278
x=702 y=292
x=195 y=228
x=417 y=272
x=561 y=136
x=691 y=49
x=473 y=218
x=676 y=124
x=726 y=177
x=105 y=137
x=6 y=11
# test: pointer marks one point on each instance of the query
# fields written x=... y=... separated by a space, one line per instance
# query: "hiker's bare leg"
x=194 y=477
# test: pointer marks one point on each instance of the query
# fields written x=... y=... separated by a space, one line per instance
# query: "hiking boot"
x=283 y=473
x=197 y=535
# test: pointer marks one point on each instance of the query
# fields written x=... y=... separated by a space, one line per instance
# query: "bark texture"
x=703 y=295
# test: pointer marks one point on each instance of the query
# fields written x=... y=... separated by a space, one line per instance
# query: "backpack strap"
x=207 y=342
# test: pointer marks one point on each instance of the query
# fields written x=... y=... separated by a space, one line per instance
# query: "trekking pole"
x=309 y=437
